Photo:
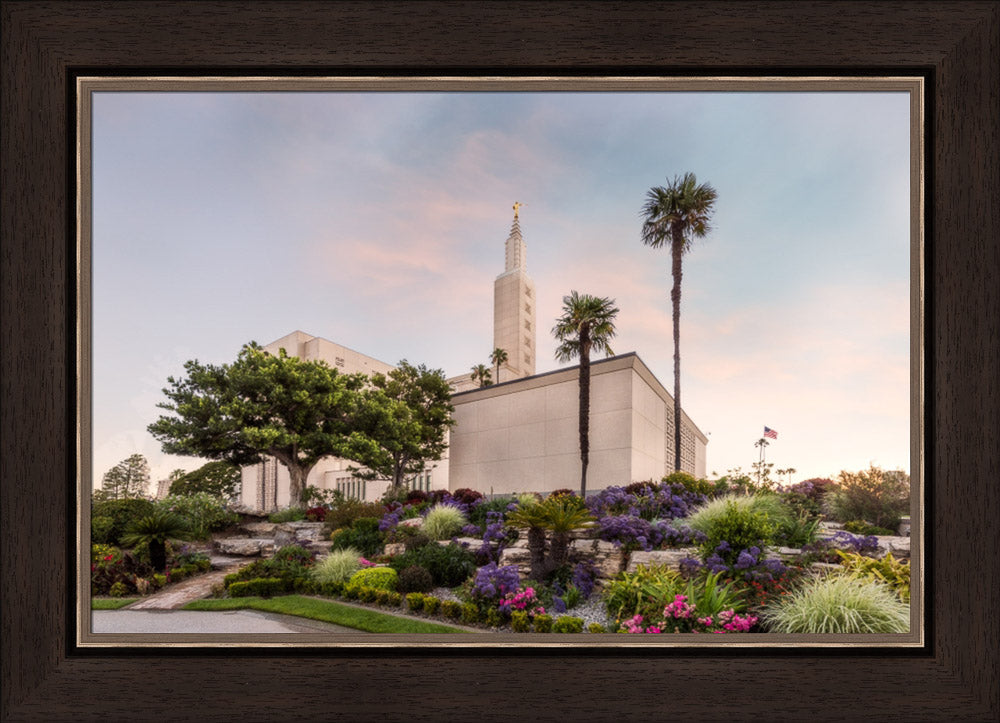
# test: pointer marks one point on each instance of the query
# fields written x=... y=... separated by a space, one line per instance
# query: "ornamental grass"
x=839 y=604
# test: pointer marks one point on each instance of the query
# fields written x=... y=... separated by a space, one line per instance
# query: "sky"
x=378 y=221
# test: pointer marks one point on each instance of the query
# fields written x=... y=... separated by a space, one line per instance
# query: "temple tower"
x=514 y=308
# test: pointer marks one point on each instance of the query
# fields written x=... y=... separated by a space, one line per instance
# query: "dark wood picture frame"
x=956 y=46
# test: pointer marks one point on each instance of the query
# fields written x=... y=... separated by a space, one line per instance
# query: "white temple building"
x=520 y=434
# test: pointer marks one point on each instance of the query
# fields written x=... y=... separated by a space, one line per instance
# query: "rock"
x=258 y=529
x=898 y=546
x=516 y=556
x=395 y=548
x=297 y=533
x=662 y=558
x=607 y=557
x=785 y=553
x=246 y=547
x=412 y=522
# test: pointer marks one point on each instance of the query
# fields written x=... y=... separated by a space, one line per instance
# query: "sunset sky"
x=378 y=220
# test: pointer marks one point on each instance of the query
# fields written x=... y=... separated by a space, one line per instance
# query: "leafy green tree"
x=674 y=216
x=261 y=405
x=498 y=356
x=128 y=479
x=220 y=479
x=405 y=416
x=587 y=323
x=482 y=374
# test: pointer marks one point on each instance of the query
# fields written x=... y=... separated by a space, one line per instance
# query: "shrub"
x=382 y=596
x=159 y=580
x=344 y=512
x=493 y=618
x=205 y=513
x=643 y=592
x=860 y=527
x=449 y=565
x=736 y=522
x=543 y=623
x=415 y=601
x=877 y=496
x=807 y=496
x=520 y=622
x=894 y=573
x=431 y=604
x=596 y=628
x=338 y=566
x=289 y=514
x=466 y=496
x=839 y=604
x=363 y=535
x=478 y=512
x=567 y=624
x=470 y=613
x=690 y=483
x=443 y=522
x=351 y=592
x=451 y=609
x=118 y=590
x=492 y=583
x=177 y=574
x=367 y=594
x=316 y=514
x=154 y=530
x=379 y=578
x=257 y=587
x=288 y=564
x=414 y=579
x=121 y=514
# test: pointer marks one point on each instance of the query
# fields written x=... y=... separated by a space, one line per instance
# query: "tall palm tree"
x=498 y=356
x=482 y=373
x=587 y=323
x=674 y=216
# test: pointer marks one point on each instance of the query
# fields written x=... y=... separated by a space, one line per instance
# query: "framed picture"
x=209 y=180
x=46 y=675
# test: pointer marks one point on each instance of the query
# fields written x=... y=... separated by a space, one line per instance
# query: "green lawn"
x=328 y=612
x=110 y=603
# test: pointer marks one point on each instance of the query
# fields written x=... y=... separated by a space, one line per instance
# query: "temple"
x=521 y=433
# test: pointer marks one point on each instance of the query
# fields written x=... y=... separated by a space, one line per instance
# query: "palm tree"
x=498 y=356
x=154 y=530
x=675 y=216
x=587 y=322
x=482 y=373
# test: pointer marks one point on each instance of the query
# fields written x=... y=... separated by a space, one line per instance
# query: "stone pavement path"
x=194 y=588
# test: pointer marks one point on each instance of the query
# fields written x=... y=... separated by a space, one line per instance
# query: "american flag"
x=768 y=432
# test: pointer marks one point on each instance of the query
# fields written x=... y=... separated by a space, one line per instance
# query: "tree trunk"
x=584 y=407
x=536 y=552
x=158 y=555
x=559 y=549
x=677 y=249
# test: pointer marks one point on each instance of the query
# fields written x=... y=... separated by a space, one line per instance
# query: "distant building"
x=521 y=434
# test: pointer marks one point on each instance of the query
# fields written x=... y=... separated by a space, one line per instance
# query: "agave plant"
x=154 y=530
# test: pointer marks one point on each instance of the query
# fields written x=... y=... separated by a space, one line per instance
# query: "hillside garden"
x=716 y=556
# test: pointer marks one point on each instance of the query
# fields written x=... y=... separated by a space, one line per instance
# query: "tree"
x=498 y=356
x=263 y=405
x=674 y=216
x=587 y=323
x=220 y=479
x=126 y=480
x=405 y=416
x=481 y=373
x=154 y=530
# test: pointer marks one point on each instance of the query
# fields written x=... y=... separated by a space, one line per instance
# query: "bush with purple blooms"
x=493 y=583
x=648 y=500
x=748 y=564
x=825 y=550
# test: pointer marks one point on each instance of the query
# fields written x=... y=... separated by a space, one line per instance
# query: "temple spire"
x=516 y=252
x=514 y=308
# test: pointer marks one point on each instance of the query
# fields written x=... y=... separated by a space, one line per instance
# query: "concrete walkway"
x=243 y=622
x=195 y=588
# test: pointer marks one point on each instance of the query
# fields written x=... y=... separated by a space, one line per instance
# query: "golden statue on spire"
x=517 y=206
